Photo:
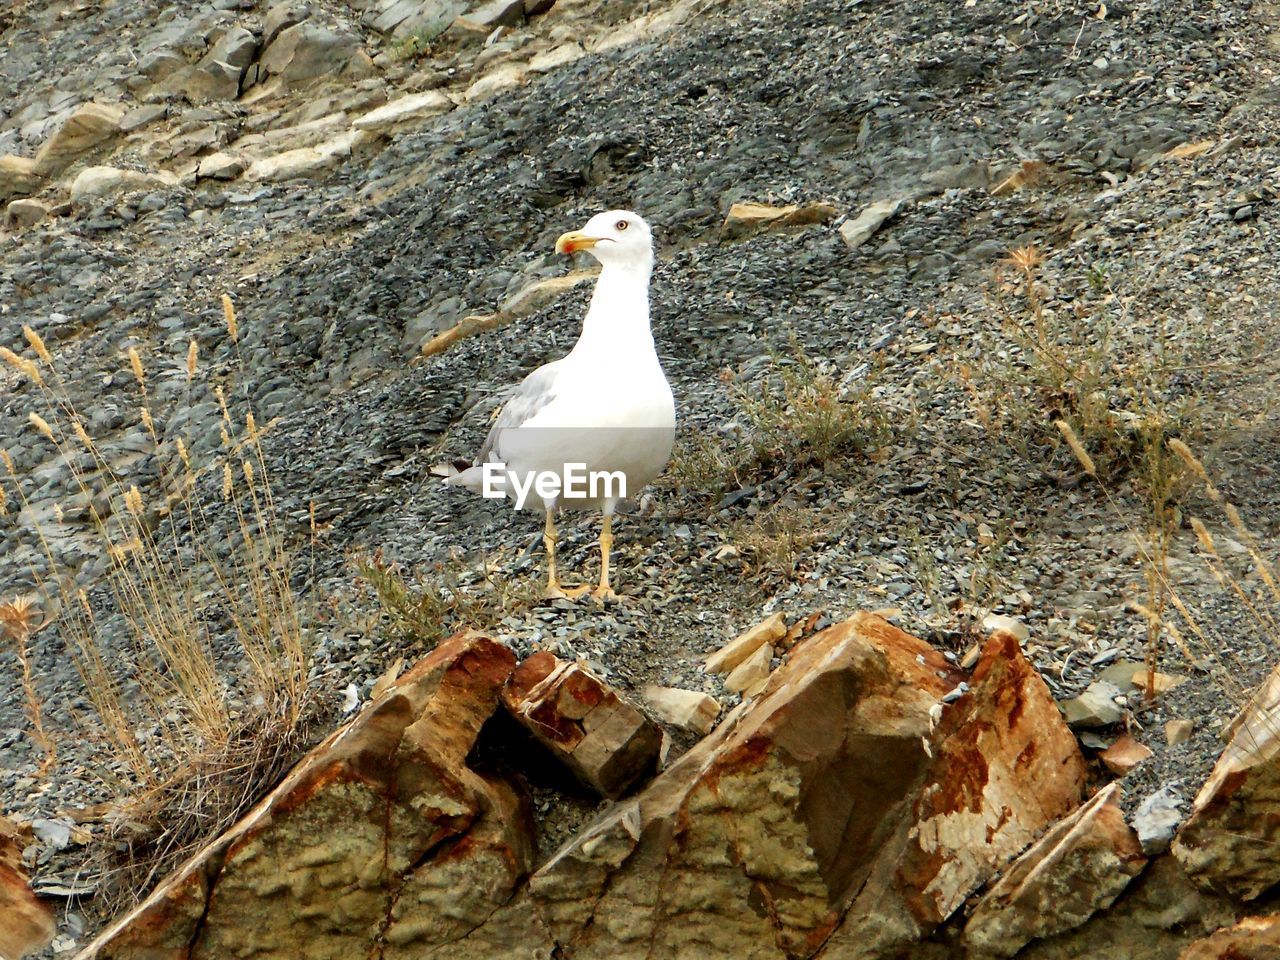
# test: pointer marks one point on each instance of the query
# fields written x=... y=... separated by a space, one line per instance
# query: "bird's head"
x=615 y=238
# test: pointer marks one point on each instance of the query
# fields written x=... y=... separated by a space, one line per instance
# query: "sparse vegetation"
x=419 y=615
x=1260 y=601
x=773 y=544
x=1097 y=378
x=192 y=738
x=1089 y=363
x=800 y=414
x=421 y=41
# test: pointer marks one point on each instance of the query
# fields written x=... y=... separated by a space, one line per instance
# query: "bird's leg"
x=555 y=590
x=604 y=592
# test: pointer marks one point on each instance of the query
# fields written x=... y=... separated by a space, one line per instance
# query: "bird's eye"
x=622 y=224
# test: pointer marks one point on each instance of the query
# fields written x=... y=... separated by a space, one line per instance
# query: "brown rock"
x=92 y=183
x=603 y=739
x=522 y=303
x=747 y=218
x=832 y=813
x=1123 y=755
x=862 y=228
x=808 y=626
x=18 y=177
x=1231 y=841
x=452 y=894
x=753 y=842
x=1178 y=731
x=383 y=813
x=281 y=16
x=749 y=677
x=1005 y=766
x=220 y=166
x=1253 y=938
x=1076 y=869
x=770 y=629
x=686 y=709
x=26 y=922
x=211 y=81
x=91 y=126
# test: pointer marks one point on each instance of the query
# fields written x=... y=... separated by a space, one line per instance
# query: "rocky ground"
x=348 y=236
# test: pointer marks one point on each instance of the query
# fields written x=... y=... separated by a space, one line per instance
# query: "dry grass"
x=417 y=616
x=192 y=736
x=1087 y=362
x=1255 y=591
x=802 y=413
x=1096 y=379
x=773 y=545
x=18 y=625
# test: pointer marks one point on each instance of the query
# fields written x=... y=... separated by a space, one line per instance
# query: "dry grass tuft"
x=774 y=544
x=801 y=414
x=1087 y=363
x=1254 y=591
x=1089 y=376
x=191 y=736
x=417 y=616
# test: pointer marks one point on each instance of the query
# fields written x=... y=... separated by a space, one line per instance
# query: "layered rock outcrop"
x=1231 y=842
x=1076 y=869
x=375 y=828
x=845 y=811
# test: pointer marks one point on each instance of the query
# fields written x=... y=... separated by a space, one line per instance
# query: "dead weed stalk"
x=17 y=623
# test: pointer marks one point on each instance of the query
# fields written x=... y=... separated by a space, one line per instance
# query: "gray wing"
x=535 y=392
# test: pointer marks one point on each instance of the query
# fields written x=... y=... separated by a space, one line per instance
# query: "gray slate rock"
x=858 y=231
x=281 y=16
x=1156 y=819
x=308 y=52
x=1096 y=707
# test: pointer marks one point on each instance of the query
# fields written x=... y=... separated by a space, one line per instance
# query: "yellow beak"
x=574 y=241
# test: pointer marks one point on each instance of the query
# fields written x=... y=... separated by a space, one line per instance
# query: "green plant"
x=803 y=415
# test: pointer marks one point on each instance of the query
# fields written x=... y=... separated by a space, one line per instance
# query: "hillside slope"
x=1147 y=138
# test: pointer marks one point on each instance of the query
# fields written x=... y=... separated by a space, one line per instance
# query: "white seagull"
x=595 y=426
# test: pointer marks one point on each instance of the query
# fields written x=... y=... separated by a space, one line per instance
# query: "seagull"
x=594 y=427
